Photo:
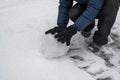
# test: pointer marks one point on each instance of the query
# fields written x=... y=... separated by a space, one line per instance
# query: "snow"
x=52 y=51
x=22 y=27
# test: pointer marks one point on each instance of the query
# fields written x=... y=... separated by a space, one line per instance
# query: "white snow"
x=52 y=51
x=22 y=46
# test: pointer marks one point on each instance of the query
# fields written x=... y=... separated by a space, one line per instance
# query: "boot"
x=86 y=34
x=94 y=47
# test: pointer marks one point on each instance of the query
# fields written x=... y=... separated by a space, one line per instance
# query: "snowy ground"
x=22 y=25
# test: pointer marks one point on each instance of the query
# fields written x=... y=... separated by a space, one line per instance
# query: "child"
x=83 y=14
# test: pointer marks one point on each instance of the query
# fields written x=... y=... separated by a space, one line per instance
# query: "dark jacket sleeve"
x=64 y=7
x=93 y=8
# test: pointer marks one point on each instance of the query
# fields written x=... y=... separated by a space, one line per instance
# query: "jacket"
x=91 y=12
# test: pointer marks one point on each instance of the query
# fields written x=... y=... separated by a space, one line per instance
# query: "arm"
x=92 y=10
x=64 y=7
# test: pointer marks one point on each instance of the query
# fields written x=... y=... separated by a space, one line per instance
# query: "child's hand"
x=56 y=29
x=66 y=35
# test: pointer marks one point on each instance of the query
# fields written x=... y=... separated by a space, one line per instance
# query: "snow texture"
x=24 y=46
x=52 y=51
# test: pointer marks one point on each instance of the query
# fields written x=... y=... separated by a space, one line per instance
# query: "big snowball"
x=51 y=48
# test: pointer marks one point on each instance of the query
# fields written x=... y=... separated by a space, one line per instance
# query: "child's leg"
x=75 y=12
x=106 y=18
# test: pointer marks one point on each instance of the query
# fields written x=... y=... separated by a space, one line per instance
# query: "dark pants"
x=106 y=19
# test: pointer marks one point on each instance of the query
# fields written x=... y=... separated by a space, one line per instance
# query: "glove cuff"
x=62 y=26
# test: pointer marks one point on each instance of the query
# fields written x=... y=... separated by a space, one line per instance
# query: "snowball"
x=51 y=48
